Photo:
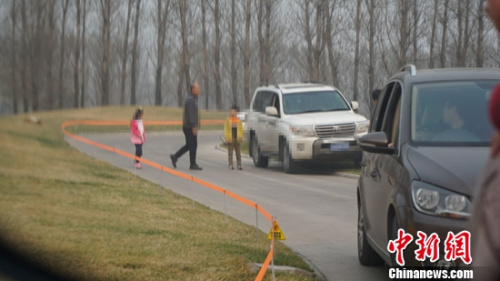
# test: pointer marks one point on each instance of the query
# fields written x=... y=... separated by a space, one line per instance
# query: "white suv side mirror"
x=271 y=111
x=354 y=105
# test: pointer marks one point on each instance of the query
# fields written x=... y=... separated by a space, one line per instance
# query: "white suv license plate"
x=339 y=146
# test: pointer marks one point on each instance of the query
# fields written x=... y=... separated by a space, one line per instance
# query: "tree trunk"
x=371 y=50
x=442 y=57
x=133 y=70
x=13 y=13
x=433 y=34
x=218 y=94
x=76 y=77
x=106 y=30
x=460 y=31
x=24 y=57
x=415 y=32
x=184 y=9
x=465 y=46
x=14 y=61
x=205 y=51
x=246 y=54
x=404 y=33
x=50 y=55
x=35 y=54
x=480 y=35
x=82 y=93
x=329 y=44
x=308 y=37
x=125 y=54
x=61 y=55
x=267 y=42
x=162 y=16
x=234 y=74
x=260 y=16
x=180 y=82
x=356 y=51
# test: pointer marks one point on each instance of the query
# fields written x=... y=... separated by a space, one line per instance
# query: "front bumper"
x=429 y=224
x=324 y=149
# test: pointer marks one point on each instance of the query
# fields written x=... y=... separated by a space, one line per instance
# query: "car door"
x=272 y=124
x=378 y=172
x=264 y=121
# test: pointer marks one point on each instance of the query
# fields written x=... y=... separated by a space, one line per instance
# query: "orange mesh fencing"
x=214 y=187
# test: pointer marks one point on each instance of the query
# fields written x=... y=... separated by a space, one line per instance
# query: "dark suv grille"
x=335 y=130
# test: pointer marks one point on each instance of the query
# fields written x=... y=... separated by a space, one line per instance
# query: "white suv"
x=303 y=122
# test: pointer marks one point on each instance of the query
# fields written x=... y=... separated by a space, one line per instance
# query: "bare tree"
x=371 y=46
x=106 y=48
x=404 y=33
x=50 y=55
x=433 y=34
x=161 y=21
x=13 y=14
x=83 y=69
x=414 y=35
x=329 y=42
x=183 y=11
x=217 y=74
x=125 y=53
x=480 y=35
x=35 y=54
x=234 y=74
x=24 y=56
x=246 y=52
x=205 y=51
x=442 y=56
x=356 y=50
x=61 y=55
x=76 y=68
x=134 y=68
x=264 y=15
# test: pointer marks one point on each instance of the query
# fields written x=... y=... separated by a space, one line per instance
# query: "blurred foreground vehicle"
x=428 y=141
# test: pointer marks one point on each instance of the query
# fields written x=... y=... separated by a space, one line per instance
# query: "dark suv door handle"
x=375 y=174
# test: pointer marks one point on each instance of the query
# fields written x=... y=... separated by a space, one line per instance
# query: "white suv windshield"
x=305 y=102
x=451 y=113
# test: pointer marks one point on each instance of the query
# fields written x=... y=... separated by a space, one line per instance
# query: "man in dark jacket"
x=190 y=125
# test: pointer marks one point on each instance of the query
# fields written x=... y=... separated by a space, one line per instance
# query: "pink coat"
x=135 y=135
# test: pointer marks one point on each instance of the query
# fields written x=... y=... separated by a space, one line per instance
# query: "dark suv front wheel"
x=366 y=254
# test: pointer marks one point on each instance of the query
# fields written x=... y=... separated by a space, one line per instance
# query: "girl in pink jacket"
x=137 y=134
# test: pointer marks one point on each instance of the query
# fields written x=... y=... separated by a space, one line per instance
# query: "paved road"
x=316 y=210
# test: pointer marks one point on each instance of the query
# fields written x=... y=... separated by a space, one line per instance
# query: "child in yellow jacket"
x=233 y=133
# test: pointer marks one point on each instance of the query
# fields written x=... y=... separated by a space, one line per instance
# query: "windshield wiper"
x=313 y=110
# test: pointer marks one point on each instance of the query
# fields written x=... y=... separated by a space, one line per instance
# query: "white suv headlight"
x=304 y=131
x=361 y=128
x=433 y=200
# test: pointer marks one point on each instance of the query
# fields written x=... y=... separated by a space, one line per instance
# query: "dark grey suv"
x=429 y=138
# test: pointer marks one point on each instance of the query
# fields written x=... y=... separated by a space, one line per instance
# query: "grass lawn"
x=89 y=220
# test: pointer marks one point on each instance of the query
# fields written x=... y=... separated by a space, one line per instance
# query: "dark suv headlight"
x=437 y=201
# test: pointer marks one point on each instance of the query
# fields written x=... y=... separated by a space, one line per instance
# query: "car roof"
x=298 y=87
x=446 y=74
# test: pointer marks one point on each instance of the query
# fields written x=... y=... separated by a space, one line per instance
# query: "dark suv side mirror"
x=375 y=142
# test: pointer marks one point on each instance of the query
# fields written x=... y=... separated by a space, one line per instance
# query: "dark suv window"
x=451 y=113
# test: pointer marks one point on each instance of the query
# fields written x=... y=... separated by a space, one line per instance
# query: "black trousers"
x=191 y=145
x=138 y=151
